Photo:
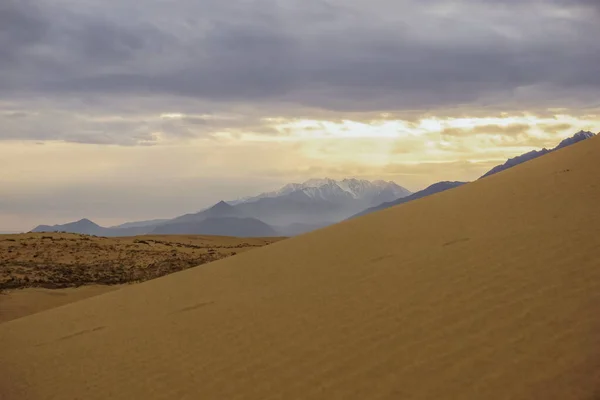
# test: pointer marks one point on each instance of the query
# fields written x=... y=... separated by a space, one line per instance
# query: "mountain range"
x=294 y=209
x=345 y=190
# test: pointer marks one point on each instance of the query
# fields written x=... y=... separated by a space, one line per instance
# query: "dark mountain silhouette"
x=578 y=137
x=511 y=162
x=435 y=188
x=223 y=226
x=219 y=210
x=83 y=226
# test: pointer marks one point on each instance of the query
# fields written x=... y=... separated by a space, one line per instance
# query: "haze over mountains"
x=294 y=209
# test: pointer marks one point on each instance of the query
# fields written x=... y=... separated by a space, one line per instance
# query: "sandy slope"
x=487 y=291
x=21 y=302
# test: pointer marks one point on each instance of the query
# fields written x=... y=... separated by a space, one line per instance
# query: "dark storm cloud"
x=351 y=55
x=44 y=41
x=64 y=126
x=21 y=26
x=99 y=41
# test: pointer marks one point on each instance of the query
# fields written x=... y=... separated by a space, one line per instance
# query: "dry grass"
x=62 y=260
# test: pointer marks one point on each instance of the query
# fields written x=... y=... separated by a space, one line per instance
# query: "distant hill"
x=83 y=226
x=223 y=226
x=435 y=188
x=511 y=162
x=87 y=227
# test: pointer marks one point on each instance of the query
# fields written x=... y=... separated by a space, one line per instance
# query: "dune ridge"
x=488 y=291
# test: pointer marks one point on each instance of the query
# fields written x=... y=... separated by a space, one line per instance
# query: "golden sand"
x=487 y=291
x=18 y=303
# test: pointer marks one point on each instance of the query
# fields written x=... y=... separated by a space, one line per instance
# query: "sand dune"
x=21 y=302
x=487 y=291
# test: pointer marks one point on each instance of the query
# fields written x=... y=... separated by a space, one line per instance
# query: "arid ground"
x=487 y=291
x=43 y=270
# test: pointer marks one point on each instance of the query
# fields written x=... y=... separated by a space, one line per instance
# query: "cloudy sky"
x=120 y=110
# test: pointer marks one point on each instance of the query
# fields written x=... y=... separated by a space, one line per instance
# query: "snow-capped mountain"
x=346 y=190
x=287 y=189
x=578 y=137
